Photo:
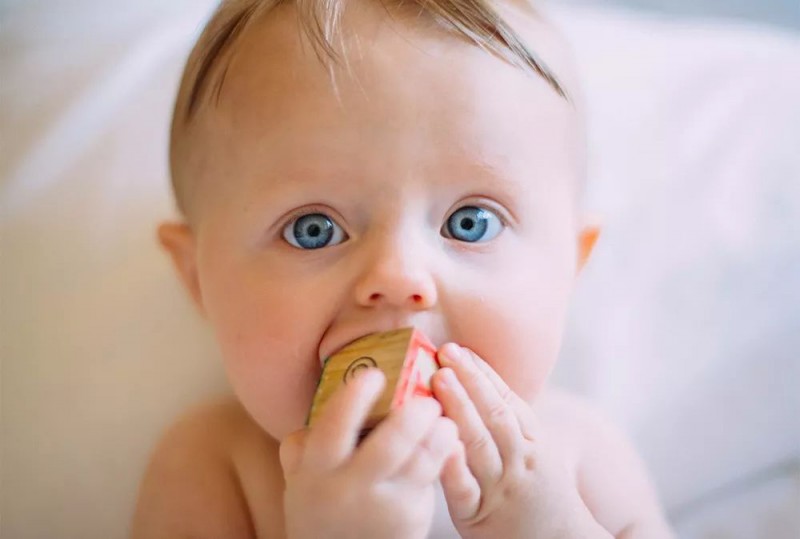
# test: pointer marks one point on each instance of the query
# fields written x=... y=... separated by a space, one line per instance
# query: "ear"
x=178 y=240
x=587 y=237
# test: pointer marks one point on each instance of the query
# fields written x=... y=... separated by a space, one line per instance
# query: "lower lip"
x=322 y=358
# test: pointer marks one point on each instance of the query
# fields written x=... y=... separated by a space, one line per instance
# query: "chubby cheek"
x=516 y=326
x=269 y=337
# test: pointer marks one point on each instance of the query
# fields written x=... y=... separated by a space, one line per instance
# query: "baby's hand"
x=506 y=484
x=382 y=488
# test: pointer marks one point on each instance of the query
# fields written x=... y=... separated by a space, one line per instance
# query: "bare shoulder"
x=612 y=479
x=210 y=468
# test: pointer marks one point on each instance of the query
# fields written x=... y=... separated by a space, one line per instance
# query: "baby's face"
x=435 y=190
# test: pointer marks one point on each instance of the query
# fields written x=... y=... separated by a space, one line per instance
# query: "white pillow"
x=100 y=348
x=685 y=327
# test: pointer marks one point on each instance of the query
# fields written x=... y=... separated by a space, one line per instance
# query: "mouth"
x=333 y=343
x=324 y=356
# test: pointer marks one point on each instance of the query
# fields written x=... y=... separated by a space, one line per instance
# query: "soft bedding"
x=694 y=293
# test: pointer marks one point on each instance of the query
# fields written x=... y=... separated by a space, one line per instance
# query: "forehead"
x=400 y=92
x=380 y=52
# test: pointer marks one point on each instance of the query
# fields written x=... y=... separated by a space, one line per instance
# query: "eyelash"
x=500 y=213
x=482 y=203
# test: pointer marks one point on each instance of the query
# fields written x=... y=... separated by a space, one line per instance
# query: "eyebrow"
x=486 y=171
x=473 y=176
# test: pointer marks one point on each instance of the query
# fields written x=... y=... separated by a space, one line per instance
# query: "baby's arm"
x=195 y=485
x=612 y=479
x=217 y=475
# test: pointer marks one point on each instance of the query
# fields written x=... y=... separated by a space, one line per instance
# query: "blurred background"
x=779 y=12
x=686 y=323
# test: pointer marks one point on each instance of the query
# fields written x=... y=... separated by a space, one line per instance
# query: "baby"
x=345 y=168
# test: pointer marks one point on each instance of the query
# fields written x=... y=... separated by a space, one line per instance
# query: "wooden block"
x=406 y=357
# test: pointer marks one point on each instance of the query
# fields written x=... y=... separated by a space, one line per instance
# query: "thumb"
x=291 y=451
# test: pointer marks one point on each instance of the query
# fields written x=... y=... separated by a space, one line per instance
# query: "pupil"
x=314 y=231
x=467 y=224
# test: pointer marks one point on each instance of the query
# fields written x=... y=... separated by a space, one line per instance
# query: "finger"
x=496 y=413
x=393 y=442
x=426 y=463
x=291 y=451
x=482 y=454
x=334 y=435
x=461 y=489
x=528 y=422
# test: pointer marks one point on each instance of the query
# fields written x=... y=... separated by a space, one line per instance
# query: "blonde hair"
x=320 y=20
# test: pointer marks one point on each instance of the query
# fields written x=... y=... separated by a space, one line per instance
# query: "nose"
x=397 y=276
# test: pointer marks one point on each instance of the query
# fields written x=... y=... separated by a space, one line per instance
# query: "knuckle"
x=518 y=477
x=529 y=462
x=471 y=371
x=515 y=480
x=506 y=394
x=463 y=494
x=430 y=446
x=427 y=451
x=442 y=438
x=498 y=413
x=393 y=437
x=393 y=452
x=513 y=486
x=478 y=443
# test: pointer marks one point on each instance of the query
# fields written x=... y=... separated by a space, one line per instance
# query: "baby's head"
x=352 y=167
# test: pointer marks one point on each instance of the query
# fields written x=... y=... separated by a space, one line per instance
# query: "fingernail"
x=453 y=351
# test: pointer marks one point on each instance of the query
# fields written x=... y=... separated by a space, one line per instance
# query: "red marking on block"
x=419 y=365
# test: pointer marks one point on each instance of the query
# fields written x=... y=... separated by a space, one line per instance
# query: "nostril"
x=417 y=298
x=374 y=297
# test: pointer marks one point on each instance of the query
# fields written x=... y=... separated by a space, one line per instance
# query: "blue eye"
x=313 y=231
x=473 y=225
